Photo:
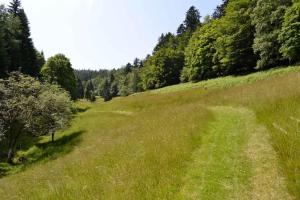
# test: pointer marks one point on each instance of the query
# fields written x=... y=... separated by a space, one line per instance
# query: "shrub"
x=32 y=108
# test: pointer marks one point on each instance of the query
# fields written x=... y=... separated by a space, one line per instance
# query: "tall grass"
x=274 y=100
x=127 y=151
x=139 y=147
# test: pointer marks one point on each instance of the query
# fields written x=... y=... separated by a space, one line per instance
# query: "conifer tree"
x=26 y=53
x=80 y=89
x=29 y=60
x=220 y=11
x=14 y=7
x=89 y=90
x=4 y=62
x=106 y=90
x=192 y=20
x=40 y=59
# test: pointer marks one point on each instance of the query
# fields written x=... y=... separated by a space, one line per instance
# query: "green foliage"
x=192 y=19
x=89 y=91
x=199 y=54
x=220 y=11
x=135 y=82
x=106 y=90
x=40 y=59
x=17 y=51
x=162 y=69
x=80 y=89
x=222 y=46
x=28 y=52
x=114 y=90
x=191 y=22
x=58 y=70
x=85 y=75
x=4 y=61
x=234 y=53
x=13 y=45
x=121 y=82
x=29 y=107
x=14 y=7
x=267 y=18
x=289 y=36
x=164 y=41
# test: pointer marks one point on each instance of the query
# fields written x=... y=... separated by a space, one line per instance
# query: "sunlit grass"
x=143 y=146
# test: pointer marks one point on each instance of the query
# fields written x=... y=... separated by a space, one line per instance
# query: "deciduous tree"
x=289 y=36
x=267 y=18
x=58 y=69
x=30 y=107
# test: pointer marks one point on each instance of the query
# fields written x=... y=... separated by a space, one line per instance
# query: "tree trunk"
x=11 y=146
x=10 y=155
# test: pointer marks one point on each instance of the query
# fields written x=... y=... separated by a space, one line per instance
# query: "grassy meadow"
x=227 y=138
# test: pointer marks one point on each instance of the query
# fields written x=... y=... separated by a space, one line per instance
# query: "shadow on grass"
x=80 y=110
x=52 y=150
x=42 y=152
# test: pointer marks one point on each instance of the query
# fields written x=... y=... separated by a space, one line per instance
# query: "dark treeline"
x=35 y=96
x=240 y=37
x=17 y=52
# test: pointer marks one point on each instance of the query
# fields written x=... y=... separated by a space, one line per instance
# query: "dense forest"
x=240 y=37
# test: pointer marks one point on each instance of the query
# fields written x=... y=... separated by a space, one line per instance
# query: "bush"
x=32 y=108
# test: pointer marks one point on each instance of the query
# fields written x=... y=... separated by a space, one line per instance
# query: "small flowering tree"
x=30 y=107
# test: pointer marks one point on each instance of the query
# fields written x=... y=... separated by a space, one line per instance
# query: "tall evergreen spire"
x=14 y=7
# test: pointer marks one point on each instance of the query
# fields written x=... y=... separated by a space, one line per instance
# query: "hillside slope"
x=228 y=138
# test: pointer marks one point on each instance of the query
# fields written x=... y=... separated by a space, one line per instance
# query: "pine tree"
x=181 y=29
x=14 y=7
x=220 y=11
x=134 y=83
x=40 y=59
x=106 y=90
x=4 y=61
x=29 y=57
x=114 y=89
x=137 y=63
x=163 y=41
x=12 y=37
x=89 y=90
x=24 y=57
x=192 y=20
x=80 y=89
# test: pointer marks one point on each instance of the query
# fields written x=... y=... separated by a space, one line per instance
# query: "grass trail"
x=235 y=160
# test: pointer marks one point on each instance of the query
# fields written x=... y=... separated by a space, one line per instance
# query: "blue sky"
x=106 y=34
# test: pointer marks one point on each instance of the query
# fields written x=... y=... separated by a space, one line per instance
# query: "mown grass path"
x=235 y=161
